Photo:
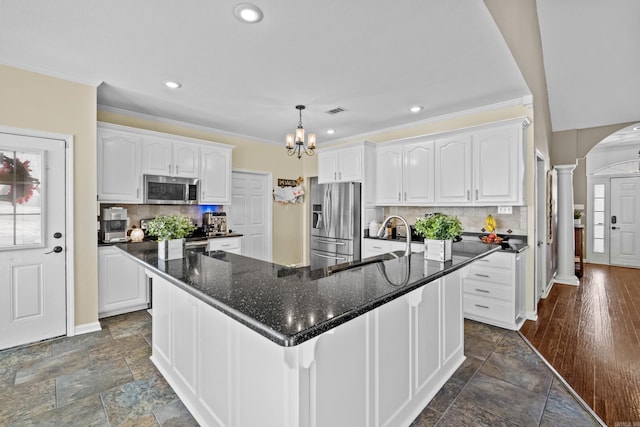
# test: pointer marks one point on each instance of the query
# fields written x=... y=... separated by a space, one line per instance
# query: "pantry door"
x=32 y=239
x=250 y=213
x=625 y=222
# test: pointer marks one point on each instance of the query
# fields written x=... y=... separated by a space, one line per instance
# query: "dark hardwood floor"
x=591 y=335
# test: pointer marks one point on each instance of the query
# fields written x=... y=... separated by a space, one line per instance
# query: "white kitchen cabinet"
x=342 y=164
x=453 y=173
x=405 y=173
x=389 y=174
x=498 y=165
x=125 y=154
x=119 y=171
x=417 y=172
x=122 y=284
x=483 y=167
x=215 y=175
x=227 y=244
x=162 y=156
x=494 y=290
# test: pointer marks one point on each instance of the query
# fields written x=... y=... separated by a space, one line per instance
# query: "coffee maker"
x=113 y=225
x=214 y=223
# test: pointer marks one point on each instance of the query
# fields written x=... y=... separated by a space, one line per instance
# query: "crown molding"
x=49 y=73
x=180 y=123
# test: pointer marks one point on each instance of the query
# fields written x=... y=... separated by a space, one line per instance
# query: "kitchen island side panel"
x=343 y=377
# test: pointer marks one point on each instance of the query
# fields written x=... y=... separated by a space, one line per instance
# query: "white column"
x=566 y=267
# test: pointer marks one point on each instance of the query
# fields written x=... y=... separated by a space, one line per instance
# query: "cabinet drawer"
x=228 y=244
x=491 y=275
x=491 y=309
x=488 y=290
x=497 y=260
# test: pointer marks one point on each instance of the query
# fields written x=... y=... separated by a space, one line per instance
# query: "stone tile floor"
x=105 y=378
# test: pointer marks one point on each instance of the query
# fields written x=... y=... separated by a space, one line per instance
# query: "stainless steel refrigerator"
x=335 y=223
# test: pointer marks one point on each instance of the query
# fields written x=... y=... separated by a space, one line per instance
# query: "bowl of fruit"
x=491 y=239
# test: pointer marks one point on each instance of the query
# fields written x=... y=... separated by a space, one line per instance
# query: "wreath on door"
x=15 y=176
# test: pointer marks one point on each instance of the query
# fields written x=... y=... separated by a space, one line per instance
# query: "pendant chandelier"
x=296 y=146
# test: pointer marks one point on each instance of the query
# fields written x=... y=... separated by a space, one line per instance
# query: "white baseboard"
x=532 y=315
x=86 y=328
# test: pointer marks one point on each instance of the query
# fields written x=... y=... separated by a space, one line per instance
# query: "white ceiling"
x=590 y=50
x=375 y=59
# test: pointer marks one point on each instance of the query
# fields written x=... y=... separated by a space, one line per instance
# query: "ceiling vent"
x=336 y=110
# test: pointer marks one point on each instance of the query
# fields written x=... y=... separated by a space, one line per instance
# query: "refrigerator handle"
x=326 y=213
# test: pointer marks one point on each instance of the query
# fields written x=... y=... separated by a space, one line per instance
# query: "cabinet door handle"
x=340 y=175
x=176 y=169
x=376 y=247
x=476 y=194
x=482 y=275
x=399 y=196
x=468 y=194
x=481 y=306
x=227 y=245
x=405 y=195
x=483 y=290
x=137 y=192
x=335 y=176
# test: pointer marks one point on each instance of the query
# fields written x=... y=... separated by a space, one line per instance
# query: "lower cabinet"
x=494 y=290
x=227 y=244
x=379 y=369
x=373 y=247
x=122 y=284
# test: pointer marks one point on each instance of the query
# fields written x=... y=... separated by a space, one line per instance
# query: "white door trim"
x=69 y=231
x=540 y=235
x=269 y=212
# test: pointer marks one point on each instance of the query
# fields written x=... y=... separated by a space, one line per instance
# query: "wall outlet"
x=505 y=210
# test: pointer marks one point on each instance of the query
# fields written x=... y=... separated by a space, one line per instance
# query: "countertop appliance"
x=335 y=223
x=214 y=223
x=170 y=190
x=113 y=225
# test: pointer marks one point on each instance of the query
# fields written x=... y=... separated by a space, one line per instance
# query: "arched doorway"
x=613 y=199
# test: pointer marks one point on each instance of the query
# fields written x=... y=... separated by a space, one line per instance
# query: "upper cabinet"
x=119 y=172
x=215 y=181
x=165 y=157
x=404 y=172
x=499 y=165
x=482 y=166
x=126 y=154
x=453 y=169
x=342 y=164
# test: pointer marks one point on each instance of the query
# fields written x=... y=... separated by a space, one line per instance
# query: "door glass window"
x=598 y=218
x=20 y=199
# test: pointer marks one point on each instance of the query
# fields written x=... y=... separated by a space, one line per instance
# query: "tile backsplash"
x=137 y=212
x=472 y=218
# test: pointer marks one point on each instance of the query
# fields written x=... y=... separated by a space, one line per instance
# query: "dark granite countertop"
x=291 y=305
x=188 y=239
x=513 y=243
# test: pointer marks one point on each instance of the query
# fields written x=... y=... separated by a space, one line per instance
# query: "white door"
x=625 y=221
x=32 y=239
x=250 y=213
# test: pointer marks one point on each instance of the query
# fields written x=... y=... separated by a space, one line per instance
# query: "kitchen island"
x=245 y=342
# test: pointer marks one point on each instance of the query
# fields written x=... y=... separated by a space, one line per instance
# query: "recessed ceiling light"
x=247 y=12
x=330 y=131
x=416 y=108
x=636 y=128
x=171 y=84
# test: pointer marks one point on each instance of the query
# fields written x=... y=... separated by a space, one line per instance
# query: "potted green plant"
x=577 y=215
x=170 y=231
x=438 y=231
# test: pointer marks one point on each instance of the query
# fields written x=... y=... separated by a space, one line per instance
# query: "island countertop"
x=292 y=305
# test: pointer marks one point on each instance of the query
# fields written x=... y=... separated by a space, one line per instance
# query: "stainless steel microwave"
x=171 y=190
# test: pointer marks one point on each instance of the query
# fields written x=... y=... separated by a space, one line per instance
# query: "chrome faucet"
x=407 y=251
